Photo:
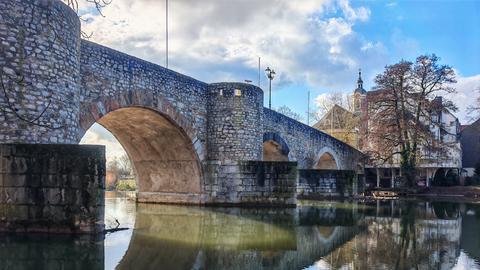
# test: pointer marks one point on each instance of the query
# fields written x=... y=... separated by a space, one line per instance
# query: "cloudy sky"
x=315 y=45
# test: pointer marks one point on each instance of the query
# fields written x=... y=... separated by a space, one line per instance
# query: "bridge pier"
x=52 y=188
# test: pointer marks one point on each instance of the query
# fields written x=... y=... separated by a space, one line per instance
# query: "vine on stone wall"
x=13 y=83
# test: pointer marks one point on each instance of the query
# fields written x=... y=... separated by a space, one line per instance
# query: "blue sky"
x=315 y=45
x=406 y=29
x=450 y=29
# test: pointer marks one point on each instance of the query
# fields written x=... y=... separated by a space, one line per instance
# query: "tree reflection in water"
x=410 y=235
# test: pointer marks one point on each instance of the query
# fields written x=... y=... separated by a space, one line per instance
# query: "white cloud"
x=308 y=41
x=468 y=90
x=351 y=14
x=221 y=40
x=100 y=136
x=391 y=4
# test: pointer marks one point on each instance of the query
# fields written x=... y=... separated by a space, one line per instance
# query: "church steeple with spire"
x=360 y=89
x=359 y=95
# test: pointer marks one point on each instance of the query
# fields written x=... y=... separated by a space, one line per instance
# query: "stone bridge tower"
x=40 y=72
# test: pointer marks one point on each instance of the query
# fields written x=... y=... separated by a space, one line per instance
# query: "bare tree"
x=326 y=102
x=125 y=165
x=402 y=112
x=474 y=110
x=114 y=166
x=97 y=4
x=285 y=110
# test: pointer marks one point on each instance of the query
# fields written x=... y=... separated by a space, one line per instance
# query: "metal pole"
x=308 y=109
x=166 y=32
x=270 y=95
x=259 y=72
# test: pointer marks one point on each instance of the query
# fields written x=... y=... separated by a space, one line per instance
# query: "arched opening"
x=272 y=151
x=326 y=162
x=274 y=148
x=162 y=155
x=446 y=177
x=120 y=173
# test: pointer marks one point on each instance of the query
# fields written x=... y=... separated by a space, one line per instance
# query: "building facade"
x=444 y=127
x=470 y=141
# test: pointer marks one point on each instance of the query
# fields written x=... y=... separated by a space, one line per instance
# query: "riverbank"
x=456 y=193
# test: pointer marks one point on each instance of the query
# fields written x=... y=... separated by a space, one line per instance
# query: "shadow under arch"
x=275 y=148
x=162 y=153
x=326 y=160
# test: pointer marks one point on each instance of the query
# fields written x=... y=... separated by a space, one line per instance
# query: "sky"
x=313 y=45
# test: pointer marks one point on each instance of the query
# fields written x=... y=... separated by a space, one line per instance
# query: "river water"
x=315 y=235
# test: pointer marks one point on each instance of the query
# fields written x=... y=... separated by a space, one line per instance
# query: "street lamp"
x=270 y=73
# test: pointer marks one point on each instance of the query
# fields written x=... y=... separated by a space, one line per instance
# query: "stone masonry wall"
x=305 y=143
x=114 y=80
x=39 y=72
x=234 y=122
x=313 y=183
x=52 y=188
x=251 y=182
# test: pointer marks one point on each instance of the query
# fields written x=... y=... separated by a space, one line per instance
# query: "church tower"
x=358 y=95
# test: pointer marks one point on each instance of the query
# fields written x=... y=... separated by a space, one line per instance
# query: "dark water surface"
x=315 y=235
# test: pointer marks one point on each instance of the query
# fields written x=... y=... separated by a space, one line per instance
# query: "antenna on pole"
x=259 y=72
x=166 y=32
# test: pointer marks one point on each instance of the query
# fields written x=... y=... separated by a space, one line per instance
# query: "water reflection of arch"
x=215 y=238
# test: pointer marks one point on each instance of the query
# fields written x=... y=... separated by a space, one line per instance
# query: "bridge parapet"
x=307 y=145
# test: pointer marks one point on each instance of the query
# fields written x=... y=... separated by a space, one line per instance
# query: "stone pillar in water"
x=52 y=188
x=47 y=182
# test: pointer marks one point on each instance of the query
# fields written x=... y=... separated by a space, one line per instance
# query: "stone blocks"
x=39 y=69
x=251 y=183
x=312 y=183
x=234 y=126
x=52 y=188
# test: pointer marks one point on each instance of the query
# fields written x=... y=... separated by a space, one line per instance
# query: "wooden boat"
x=384 y=195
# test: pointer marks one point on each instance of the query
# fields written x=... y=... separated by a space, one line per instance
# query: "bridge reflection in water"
x=316 y=235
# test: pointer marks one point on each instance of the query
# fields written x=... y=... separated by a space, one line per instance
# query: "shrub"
x=123 y=186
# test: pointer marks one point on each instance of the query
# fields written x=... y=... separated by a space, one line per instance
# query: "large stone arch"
x=275 y=148
x=326 y=158
x=162 y=145
x=92 y=111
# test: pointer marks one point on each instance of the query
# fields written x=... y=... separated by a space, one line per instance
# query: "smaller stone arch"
x=327 y=160
x=275 y=148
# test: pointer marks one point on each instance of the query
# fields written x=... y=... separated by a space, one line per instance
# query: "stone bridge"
x=189 y=141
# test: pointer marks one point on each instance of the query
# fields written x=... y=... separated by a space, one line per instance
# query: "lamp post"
x=270 y=73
